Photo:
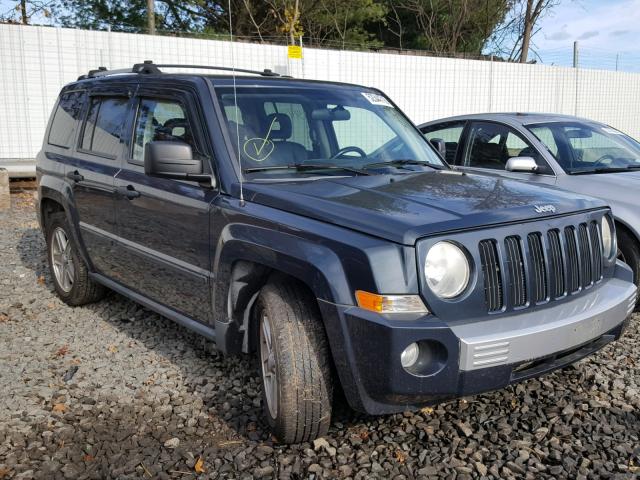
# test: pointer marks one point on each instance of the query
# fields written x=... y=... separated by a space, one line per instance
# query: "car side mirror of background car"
x=521 y=164
x=440 y=145
x=173 y=160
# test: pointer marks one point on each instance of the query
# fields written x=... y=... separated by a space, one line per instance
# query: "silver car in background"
x=572 y=153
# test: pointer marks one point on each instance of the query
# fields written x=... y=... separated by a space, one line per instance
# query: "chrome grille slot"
x=492 y=275
x=596 y=250
x=573 y=264
x=515 y=265
x=556 y=263
x=538 y=267
x=585 y=256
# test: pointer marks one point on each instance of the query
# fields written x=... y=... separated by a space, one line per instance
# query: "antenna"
x=235 y=105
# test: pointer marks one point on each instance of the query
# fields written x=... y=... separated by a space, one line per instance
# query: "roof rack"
x=148 y=67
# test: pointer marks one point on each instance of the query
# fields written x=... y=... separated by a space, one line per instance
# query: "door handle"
x=75 y=176
x=129 y=191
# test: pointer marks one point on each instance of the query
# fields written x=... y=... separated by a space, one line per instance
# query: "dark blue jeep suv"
x=311 y=223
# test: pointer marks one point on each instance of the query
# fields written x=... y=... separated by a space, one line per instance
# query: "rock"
x=172 y=442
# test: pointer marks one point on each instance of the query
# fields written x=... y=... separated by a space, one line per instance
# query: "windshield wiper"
x=401 y=163
x=303 y=167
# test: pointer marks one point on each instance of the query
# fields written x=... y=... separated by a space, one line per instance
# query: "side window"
x=299 y=124
x=491 y=145
x=160 y=120
x=450 y=133
x=64 y=119
x=103 y=126
x=365 y=130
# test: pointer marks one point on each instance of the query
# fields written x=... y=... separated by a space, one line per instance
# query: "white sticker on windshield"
x=376 y=99
x=612 y=131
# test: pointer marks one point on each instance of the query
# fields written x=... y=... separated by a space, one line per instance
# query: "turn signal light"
x=390 y=303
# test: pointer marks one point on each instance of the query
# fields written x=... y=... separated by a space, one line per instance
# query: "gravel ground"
x=112 y=390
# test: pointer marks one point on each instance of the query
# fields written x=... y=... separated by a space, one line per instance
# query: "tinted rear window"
x=104 y=125
x=64 y=119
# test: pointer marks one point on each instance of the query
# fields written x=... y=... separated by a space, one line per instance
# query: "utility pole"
x=151 y=17
x=575 y=55
x=23 y=12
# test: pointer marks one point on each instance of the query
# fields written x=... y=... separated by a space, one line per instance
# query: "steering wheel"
x=603 y=158
x=345 y=150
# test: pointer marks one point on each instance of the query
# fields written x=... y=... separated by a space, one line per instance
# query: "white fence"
x=36 y=61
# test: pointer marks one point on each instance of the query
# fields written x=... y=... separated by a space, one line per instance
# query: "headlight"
x=446 y=270
x=608 y=240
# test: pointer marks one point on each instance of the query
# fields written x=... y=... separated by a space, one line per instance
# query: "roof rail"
x=148 y=67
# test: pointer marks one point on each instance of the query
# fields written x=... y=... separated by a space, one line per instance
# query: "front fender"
x=333 y=262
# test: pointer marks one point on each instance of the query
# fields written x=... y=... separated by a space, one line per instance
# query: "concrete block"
x=5 y=197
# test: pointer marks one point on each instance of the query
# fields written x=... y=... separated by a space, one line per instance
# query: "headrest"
x=281 y=128
x=176 y=122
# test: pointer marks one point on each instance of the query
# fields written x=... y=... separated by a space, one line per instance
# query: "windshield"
x=306 y=132
x=588 y=148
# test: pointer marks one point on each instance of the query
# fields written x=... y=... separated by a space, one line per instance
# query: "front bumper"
x=469 y=358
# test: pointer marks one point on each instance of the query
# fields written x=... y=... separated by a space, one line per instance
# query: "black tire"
x=628 y=247
x=302 y=362
x=83 y=290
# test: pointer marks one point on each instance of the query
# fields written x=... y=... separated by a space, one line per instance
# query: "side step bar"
x=201 y=329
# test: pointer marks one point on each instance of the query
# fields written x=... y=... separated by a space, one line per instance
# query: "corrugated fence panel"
x=35 y=62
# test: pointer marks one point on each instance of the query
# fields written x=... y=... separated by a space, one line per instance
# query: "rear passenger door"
x=92 y=169
x=451 y=133
x=163 y=224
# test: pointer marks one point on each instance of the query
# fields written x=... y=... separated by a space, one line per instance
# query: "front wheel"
x=294 y=363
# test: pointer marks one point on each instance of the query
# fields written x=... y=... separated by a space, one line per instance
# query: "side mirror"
x=440 y=146
x=521 y=164
x=173 y=160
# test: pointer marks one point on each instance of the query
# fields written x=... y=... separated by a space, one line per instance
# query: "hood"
x=403 y=208
x=616 y=189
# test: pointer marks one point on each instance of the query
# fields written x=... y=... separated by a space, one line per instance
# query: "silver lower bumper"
x=536 y=334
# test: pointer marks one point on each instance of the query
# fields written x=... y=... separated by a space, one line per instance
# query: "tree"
x=442 y=26
x=513 y=37
x=25 y=10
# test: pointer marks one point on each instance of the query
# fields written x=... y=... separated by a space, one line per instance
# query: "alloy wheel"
x=62 y=260
x=268 y=365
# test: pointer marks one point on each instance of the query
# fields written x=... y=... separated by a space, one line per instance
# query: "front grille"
x=541 y=266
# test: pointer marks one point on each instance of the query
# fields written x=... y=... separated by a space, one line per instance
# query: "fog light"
x=409 y=356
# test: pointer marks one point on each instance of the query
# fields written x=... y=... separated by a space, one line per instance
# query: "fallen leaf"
x=364 y=435
x=62 y=351
x=4 y=472
x=51 y=305
x=112 y=349
x=199 y=466
x=3 y=318
x=89 y=458
x=41 y=280
x=427 y=410
x=400 y=456
x=59 y=408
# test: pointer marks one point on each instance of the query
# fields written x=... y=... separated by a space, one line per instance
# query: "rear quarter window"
x=65 y=118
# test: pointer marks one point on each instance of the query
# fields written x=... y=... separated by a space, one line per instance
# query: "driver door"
x=488 y=147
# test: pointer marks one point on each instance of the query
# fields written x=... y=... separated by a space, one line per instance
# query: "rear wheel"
x=294 y=363
x=70 y=274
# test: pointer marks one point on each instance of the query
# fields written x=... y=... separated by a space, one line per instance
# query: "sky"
x=602 y=28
